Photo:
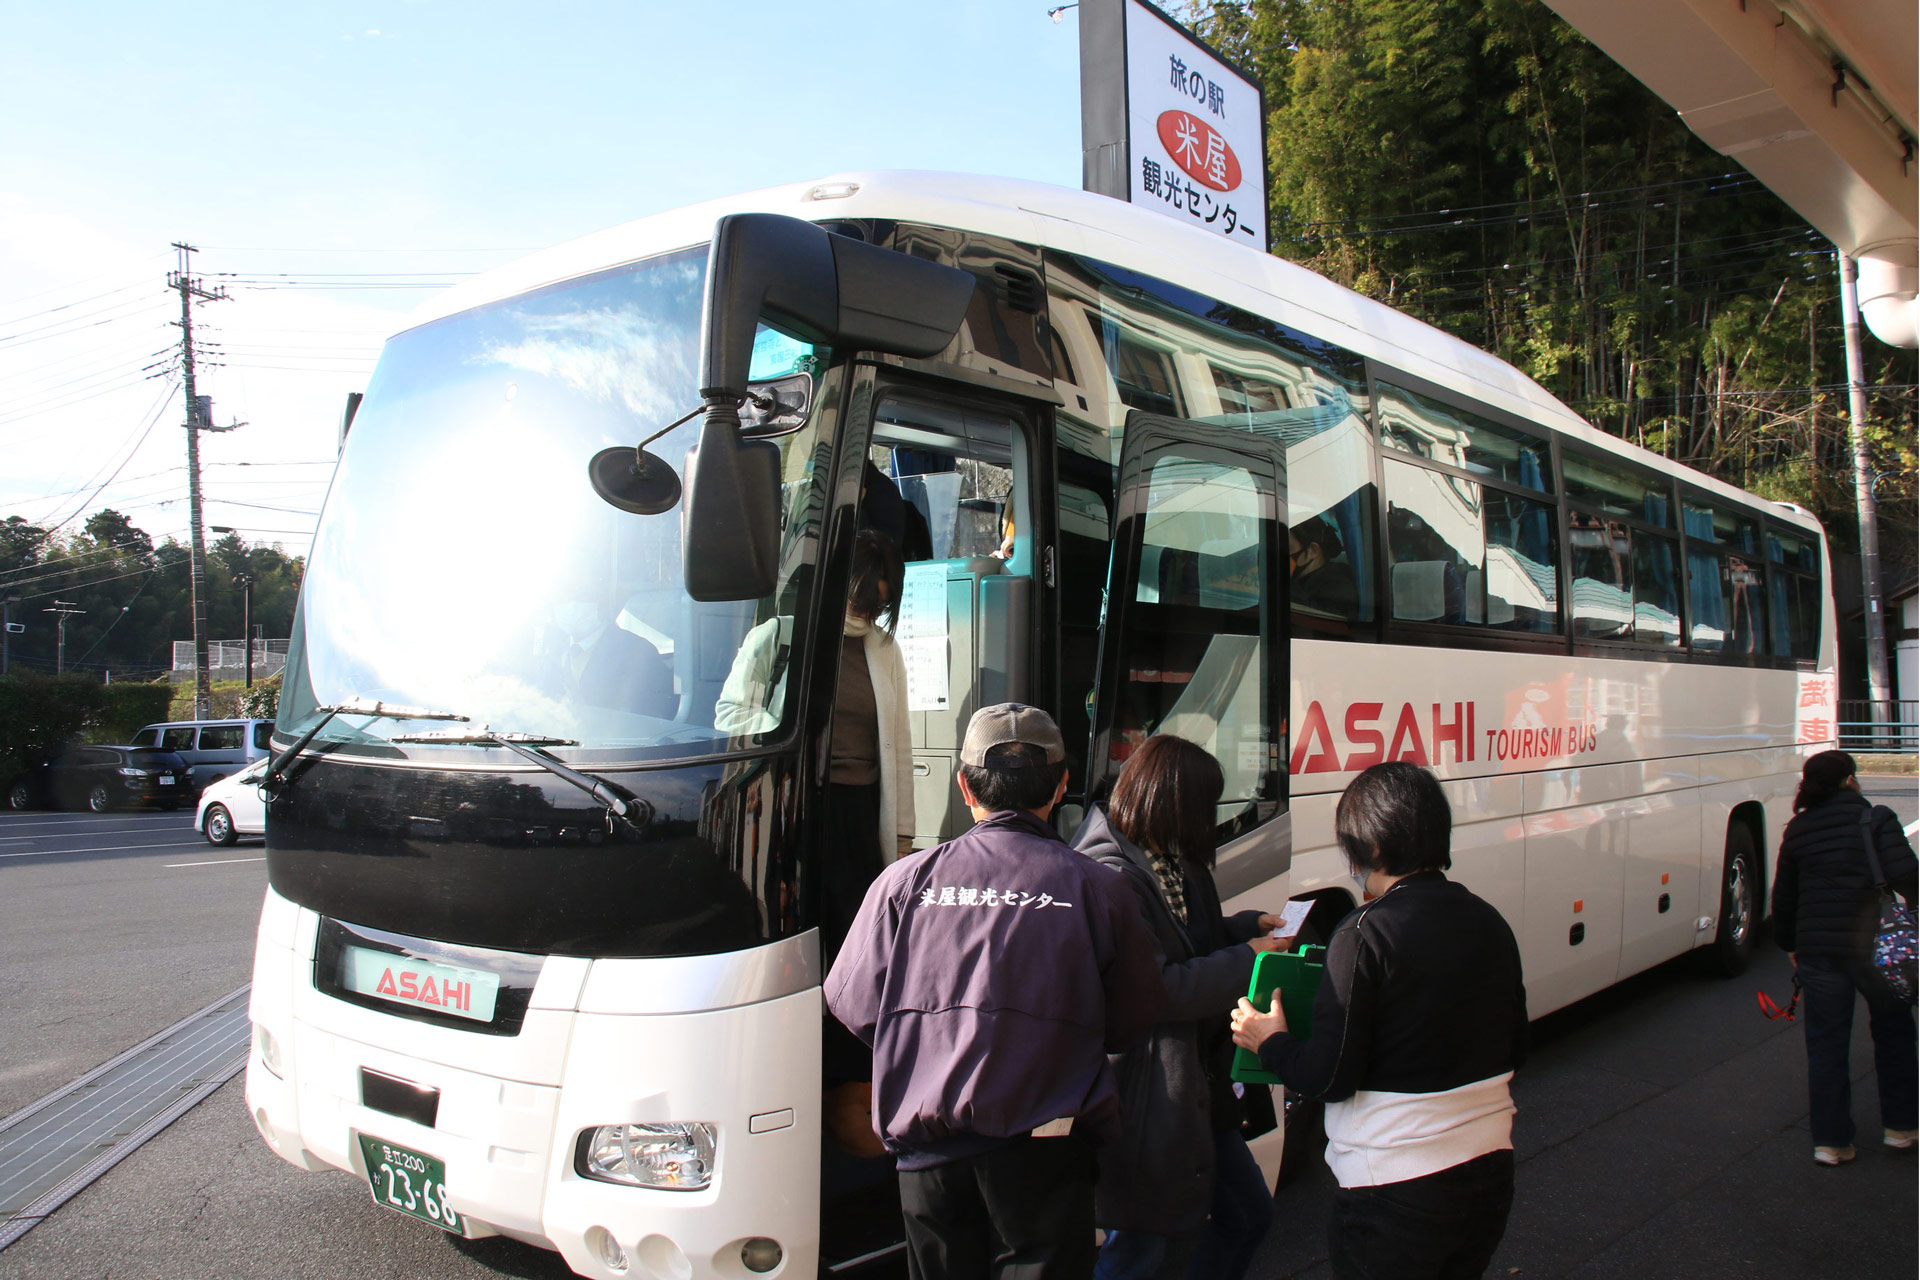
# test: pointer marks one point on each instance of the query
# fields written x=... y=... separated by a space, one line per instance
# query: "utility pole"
x=199 y=418
x=62 y=610
x=7 y=602
x=1872 y=614
x=245 y=582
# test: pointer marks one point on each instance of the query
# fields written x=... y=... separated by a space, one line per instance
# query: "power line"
x=68 y=306
x=166 y=391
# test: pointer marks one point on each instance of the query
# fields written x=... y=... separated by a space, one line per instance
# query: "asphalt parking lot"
x=112 y=927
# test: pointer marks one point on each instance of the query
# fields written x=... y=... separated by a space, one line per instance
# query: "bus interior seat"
x=1420 y=590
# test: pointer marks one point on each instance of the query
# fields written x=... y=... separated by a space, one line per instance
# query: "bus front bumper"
x=511 y=1112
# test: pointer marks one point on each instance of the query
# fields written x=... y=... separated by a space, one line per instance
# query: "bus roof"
x=1109 y=230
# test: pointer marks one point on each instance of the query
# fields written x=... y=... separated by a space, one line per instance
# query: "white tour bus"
x=539 y=958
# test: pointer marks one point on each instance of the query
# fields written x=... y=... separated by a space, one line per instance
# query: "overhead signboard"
x=1170 y=125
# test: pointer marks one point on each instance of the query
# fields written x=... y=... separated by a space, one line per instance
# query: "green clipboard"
x=1297 y=976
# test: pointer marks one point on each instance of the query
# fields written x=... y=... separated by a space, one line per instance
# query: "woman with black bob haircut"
x=1418 y=1027
x=1179 y=1194
x=1825 y=914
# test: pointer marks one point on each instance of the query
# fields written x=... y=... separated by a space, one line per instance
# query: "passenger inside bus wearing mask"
x=590 y=660
x=1319 y=581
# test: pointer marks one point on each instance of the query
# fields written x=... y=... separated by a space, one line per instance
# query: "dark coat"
x=1158 y=1177
x=1823 y=899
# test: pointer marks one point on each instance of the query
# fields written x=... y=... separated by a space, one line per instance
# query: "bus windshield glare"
x=463 y=560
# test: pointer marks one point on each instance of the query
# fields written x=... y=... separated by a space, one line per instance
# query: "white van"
x=212 y=748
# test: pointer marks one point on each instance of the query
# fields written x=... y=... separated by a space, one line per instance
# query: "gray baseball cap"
x=1006 y=722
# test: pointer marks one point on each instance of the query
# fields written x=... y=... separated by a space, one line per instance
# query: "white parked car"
x=233 y=807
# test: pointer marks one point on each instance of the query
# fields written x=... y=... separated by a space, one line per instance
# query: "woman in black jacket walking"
x=1180 y=1194
x=1825 y=914
x=1419 y=1024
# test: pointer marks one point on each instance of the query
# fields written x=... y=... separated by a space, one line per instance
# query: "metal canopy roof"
x=1816 y=98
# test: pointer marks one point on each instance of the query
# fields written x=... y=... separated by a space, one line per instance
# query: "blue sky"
x=419 y=136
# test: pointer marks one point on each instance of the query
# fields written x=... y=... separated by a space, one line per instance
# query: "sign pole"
x=1104 y=158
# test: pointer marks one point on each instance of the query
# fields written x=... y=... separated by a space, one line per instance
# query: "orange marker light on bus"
x=1577 y=904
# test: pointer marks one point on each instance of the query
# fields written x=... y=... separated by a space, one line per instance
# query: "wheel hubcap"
x=217 y=825
x=1741 y=908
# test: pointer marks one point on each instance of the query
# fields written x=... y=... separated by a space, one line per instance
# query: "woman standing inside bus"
x=1180 y=1193
x=1418 y=1027
x=866 y=815
x=1825 y=913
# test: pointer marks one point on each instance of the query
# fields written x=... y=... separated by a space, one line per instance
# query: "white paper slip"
x=1292 y=916
x=928 y=687
x=923 y=602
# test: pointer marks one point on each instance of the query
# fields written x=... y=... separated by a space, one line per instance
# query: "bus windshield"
x=463 y=560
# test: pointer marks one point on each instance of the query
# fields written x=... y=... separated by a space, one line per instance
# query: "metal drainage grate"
x=52 y=1149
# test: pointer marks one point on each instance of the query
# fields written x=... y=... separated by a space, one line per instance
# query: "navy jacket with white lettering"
x=992 y=976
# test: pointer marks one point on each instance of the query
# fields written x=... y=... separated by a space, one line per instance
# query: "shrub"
x=41 y=714
x=126 y=707
x=262 y=702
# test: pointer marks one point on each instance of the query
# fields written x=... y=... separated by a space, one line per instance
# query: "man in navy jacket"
x=992 y=976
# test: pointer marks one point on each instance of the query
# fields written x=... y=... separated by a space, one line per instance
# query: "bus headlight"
x=671 y=1157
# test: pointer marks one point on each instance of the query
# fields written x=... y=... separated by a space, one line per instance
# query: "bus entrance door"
x=1193 y=641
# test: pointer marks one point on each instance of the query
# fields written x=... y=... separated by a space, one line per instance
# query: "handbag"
x=1896 y=957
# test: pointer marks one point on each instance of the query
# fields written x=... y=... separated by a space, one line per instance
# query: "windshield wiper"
x=622 y=804
x=355 y=706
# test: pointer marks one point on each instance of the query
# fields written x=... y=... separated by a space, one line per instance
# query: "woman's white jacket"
x=747 y=705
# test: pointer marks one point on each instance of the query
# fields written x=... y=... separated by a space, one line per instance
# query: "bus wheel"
x=1739 y=904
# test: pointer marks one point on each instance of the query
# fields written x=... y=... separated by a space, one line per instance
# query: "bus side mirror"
x=730 y=525
x=819 y=287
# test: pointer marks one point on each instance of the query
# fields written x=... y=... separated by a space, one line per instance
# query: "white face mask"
x=576 y=618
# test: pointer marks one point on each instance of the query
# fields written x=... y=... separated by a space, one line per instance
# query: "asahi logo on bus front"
x=465 y=993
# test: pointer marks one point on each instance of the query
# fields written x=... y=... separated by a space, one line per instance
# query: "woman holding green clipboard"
x=1180 y=1194
x=1418 y=1026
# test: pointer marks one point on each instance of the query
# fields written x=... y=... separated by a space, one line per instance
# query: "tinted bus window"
x=1656 y=590
x=1726 y=589
x=1723 y=527
x=1462 y=555
x=1427 y=428
x=1794 y=550
x=1164 y=346
x=1600 y=554
x=1615 y=490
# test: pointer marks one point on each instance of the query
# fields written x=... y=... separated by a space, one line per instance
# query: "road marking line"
x=218 y=862
x=111 y=848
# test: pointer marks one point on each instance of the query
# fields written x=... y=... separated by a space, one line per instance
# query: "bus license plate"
x=413 y=1183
